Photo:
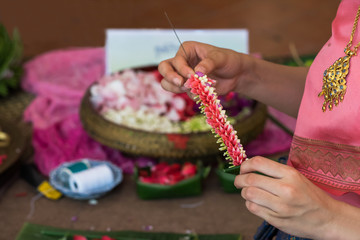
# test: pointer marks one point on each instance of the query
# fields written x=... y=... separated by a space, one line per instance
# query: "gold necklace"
x=334 y=80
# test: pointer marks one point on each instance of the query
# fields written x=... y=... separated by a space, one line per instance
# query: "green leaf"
x=35 y=232
x=6 y=59
x=233 y=170
x=12 y=82
x=18 y=44
x=10 y=60
x=63 y=238
x=5 y=45
x=17 y=71
x=206 y=172
x=3 y=89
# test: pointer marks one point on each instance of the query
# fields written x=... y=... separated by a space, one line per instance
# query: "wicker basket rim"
x=86 y=101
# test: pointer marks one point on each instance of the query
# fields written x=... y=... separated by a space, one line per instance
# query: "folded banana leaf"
x=227 y=176
x=31 y=231
x=185 y=188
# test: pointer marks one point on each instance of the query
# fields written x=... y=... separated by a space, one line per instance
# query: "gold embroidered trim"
x=335 y=165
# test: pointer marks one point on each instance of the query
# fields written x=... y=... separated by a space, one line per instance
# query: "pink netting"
x=59 y=79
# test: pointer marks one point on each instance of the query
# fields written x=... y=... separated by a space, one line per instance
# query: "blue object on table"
x=57 y=180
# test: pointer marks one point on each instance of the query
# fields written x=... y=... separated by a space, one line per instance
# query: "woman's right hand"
x=276 y=85
x=227 y=67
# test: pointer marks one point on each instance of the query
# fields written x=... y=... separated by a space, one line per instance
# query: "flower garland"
x=216 y=117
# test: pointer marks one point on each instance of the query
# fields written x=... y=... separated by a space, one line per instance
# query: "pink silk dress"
x=326 y=145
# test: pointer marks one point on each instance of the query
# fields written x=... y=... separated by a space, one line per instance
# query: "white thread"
x=91 y=180
x=32 y=204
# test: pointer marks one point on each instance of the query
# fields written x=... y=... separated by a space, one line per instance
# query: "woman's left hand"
x=285 y=198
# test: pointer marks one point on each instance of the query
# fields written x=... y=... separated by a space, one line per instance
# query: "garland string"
x=210 y=106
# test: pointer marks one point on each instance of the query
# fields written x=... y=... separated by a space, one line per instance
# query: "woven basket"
x=16 y=145
x=11 y=122
x=162 y=145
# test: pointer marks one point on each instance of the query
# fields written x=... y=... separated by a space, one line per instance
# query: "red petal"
x=176 y=167
x=159 y=167
x=79 y=237
x=107 y=238
x=143 y=173
x=229 y=96
x=164 y=180
x=175 y=178
x=188 y=169
x=148 y=179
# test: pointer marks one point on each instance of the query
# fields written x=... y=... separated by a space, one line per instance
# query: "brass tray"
x=15 y=148
x=162 y=145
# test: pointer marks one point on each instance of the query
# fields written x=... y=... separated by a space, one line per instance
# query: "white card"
x=131 y=48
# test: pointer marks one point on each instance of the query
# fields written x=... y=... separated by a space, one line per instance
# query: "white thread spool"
x=78 y=166
x=92 y=179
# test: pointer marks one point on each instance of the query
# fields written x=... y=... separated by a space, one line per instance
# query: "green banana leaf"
x=227 y=177
x=31 y=231
x=188 y=187
x=10 y=61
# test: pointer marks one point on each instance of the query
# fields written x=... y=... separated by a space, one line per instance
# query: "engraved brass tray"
x=165 y=145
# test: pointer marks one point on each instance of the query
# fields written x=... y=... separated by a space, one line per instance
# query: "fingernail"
x=200 y=69
x=178 y=82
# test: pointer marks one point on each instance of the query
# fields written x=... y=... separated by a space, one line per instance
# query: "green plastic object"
x=31 y=231
x=186 y=188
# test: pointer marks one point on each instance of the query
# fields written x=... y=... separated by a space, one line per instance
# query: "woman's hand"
x=224 y=65
x=276 y=85
x=286 y=199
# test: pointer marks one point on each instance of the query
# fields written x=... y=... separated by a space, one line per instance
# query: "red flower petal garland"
x=216 y=117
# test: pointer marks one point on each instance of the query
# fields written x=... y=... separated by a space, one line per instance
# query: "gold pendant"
x=334 y=83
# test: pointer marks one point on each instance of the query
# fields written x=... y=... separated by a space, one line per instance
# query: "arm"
x=290 y=202
x=273 y=84
x=277 y=85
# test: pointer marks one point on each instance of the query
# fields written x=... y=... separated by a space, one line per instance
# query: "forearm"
x=344 y=222
x=276 y=85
